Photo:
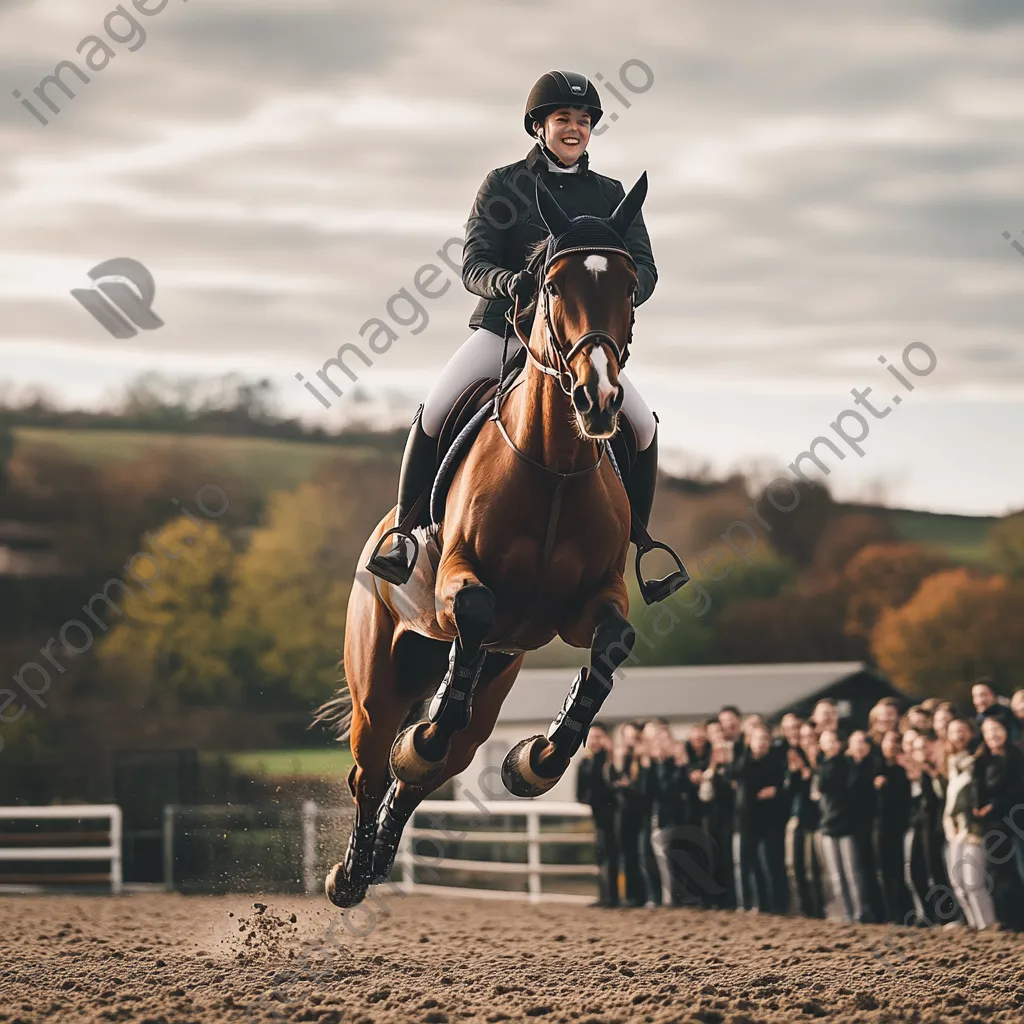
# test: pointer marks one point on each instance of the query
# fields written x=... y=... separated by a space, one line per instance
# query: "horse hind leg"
x=534 y=765
x=379 y=707
x=420 y=752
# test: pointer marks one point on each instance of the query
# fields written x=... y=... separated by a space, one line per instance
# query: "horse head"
x=587 y=293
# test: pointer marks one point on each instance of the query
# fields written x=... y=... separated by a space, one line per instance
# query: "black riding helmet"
x=561 y=89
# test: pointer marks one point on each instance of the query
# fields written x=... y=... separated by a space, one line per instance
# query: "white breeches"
x=480 y=356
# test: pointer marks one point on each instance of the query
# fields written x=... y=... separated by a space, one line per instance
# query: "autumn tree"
x=957 y=626
x=882 y=576
x=291 y=591
x=173 y=641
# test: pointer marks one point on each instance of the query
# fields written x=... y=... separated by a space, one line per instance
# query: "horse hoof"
x=408 y=765
x=343 y=891
x=519 y=769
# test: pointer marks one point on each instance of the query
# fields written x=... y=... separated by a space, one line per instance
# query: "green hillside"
x=269 y=463
x=962 y=538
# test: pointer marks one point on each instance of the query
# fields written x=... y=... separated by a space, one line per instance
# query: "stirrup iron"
x=384 y=570
x=655 y=590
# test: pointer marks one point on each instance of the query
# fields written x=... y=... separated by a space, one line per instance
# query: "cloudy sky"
x=829 y=183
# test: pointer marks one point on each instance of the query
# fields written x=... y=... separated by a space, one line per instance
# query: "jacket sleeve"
x=639 y=244
x=482 y=272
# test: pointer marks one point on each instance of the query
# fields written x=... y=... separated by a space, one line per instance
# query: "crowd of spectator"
x=917 y=819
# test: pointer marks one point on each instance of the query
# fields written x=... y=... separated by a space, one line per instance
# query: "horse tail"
x=336 y=713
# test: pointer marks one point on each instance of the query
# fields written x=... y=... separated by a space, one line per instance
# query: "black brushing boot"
x=419 y=464
x=641 y=482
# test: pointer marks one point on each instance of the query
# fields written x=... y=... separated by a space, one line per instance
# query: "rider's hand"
x=522 y=286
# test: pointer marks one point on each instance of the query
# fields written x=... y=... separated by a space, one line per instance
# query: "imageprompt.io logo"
x=122 y=297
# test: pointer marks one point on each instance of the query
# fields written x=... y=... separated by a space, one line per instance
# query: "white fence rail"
x=461 y=831
x=62 y=851
x=313 y=837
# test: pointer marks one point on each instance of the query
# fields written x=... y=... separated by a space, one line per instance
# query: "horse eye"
x=550 y=288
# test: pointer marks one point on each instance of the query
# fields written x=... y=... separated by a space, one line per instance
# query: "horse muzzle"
x=597 y=409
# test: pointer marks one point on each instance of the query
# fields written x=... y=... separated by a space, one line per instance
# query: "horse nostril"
x=616 y=403
x=581 y=398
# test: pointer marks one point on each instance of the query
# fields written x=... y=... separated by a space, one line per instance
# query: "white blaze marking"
x=599 y=360
x=595 y=264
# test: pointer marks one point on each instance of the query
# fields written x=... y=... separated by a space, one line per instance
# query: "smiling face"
x=958 y=735
x=566 y=133
x=994 y=734
x=808 y=740
x=982 y=697
x=830 y=743
x=1017 y=704
x=825 y=716
x=791 y=729
x=760 y=741
x=891 y=746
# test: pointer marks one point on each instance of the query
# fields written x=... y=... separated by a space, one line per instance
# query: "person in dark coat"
x=892 y=820
x=719 y=800
x=987 y=705
x=504 y=226
x=839 y=849
x=674 y=813
x=999 y=792
x=759 y=781
x=593 y=789
x=863 y=798
x=626 y=773
x=803 y=863
x=926 y=866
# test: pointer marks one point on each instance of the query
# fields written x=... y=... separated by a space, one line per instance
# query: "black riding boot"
x=419 y=464
x=641 y=481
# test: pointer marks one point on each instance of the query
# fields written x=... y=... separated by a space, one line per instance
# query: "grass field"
x=962 y=538
x=332 y=762
x=270 y=463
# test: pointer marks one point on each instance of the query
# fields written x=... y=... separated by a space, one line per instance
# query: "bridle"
x=562 y=371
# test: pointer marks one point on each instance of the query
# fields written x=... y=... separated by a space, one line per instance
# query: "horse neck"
x=541 y=422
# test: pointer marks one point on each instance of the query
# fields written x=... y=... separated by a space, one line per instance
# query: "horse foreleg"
x=402 y=799
x=421 y=751
x=534 y=765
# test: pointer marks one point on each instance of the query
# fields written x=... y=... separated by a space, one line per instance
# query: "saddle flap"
x=460 y=429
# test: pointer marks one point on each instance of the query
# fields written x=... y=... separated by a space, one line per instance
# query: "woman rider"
x=561 y=110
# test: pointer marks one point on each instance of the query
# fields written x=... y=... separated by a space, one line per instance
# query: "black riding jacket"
x=592 y=786
x=505 y=223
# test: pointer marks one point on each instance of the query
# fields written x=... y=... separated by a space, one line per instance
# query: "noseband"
x=562 y=371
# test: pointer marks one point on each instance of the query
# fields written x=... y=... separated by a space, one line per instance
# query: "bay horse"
x=532 y=544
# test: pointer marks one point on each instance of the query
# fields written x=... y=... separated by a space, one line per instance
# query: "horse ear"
x=555 y=218
x=626 y=212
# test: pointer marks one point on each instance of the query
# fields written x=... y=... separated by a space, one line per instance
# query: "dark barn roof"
x=698 y=691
